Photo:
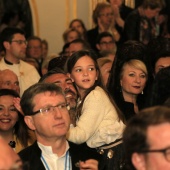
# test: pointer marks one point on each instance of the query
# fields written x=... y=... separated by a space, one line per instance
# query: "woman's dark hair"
x=160 y=88
x=82 y=24
x=157 y=48
x=70 y=65
x=127 y=51
x=20 y=128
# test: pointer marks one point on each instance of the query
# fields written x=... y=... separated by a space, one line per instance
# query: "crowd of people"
x=102 y=103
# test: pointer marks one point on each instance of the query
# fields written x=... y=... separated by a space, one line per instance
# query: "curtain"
x=130 y=3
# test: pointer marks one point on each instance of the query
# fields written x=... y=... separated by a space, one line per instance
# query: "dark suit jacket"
x=92 y=36
x=32 y=155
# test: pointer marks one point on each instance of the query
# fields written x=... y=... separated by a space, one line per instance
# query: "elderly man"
x=9 y=80
x=147 y=140
x=61 y=78
x=45 y=109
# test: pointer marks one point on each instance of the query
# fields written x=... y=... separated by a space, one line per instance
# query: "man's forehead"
x=7 y=75
x=157 y=132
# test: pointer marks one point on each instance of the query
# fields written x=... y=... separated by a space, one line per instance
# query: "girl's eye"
x=78 y=70
x=92 y=68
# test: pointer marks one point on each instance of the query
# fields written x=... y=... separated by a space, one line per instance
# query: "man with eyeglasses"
x=147 y=140
x=106 y=42
x=34 y=50
x=13 y=42
x=46 y=112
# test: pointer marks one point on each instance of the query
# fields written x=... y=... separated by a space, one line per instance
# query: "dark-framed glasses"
x=20 y=42
x=165 y=152
x=50 y=109
x=107 y=15
x=106 y=43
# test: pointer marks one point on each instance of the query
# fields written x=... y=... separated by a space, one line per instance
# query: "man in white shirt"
x=13 y=42
x=45 y=109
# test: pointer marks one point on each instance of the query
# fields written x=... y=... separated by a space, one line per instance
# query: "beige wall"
x=51 y=18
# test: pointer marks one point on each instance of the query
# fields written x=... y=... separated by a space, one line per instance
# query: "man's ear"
x=6 y=44
x=30 y=122
x=98 y=46
x=69 y=75
x=138 y=161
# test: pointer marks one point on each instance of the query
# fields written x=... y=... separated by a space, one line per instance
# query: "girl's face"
x=132 y=81
x=84 y=74
x=77 y=26
x=8 y=113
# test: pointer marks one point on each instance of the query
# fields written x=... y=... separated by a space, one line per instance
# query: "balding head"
x=9 y=80
x=8 y=158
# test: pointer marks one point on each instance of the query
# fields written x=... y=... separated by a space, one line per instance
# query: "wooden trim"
x=35 y=17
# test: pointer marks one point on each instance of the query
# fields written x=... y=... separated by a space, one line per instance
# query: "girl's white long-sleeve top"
x=99 y=123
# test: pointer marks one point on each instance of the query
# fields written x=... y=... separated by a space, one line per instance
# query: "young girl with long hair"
x=99 y=122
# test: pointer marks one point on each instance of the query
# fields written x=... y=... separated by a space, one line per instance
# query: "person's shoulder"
x=98 y=90
x=134 y=14
x=29 y=151
x=91 y=31
x=97 y=93
x=23 y=63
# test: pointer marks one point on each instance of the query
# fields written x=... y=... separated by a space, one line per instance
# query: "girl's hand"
x=90 y=164
x=16 y=101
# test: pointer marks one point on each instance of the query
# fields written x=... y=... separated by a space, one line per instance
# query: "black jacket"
x=32 y=155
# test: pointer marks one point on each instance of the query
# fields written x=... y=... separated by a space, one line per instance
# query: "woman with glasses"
x=103 y=18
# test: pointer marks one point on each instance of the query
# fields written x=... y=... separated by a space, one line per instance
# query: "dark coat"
x=32 y=155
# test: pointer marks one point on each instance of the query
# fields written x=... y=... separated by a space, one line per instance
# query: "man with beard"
x=13 y=42
x=60 y=78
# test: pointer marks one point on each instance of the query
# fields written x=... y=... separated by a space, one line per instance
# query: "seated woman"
x=103 y=18
x=78 y=25
x=128 y=78
x=12 y=126
x=70 y=35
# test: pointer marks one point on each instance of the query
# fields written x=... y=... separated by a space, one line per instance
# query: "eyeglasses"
x=106 y=43
x=34 y=47
x=50 y=109
x=166 y=152
x=20 y=42
x=107 y=15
